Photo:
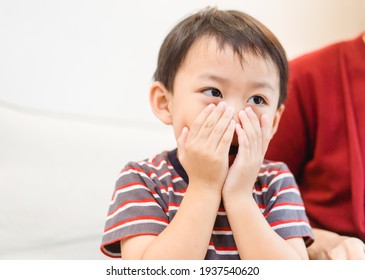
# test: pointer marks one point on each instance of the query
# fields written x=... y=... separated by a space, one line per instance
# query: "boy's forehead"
x=208 y=61
x=210 y=44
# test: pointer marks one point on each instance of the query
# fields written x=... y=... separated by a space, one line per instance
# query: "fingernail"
x=222 y=104
x=242 y=113
x=264 y=117
x=249 y=110
x=210 y=106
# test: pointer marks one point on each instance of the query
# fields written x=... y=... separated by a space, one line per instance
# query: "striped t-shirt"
x=148 y=194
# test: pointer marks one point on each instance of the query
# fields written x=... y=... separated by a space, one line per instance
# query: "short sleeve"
x=280 y=201
x=135 y=209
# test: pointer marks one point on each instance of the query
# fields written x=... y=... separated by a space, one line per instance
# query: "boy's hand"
x=203 y=151
x=253 y=140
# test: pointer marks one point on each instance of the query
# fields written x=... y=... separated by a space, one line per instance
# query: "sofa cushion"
x=57 y=174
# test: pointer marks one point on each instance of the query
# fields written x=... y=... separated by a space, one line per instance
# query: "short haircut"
x=233 y=28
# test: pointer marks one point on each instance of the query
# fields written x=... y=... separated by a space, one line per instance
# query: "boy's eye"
x=213 y=92
x=257 y=100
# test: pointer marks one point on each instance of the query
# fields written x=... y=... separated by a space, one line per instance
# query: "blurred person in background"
x=322 y=139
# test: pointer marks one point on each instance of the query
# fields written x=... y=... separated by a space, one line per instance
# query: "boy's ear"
x=277 y=118
x=160 y=99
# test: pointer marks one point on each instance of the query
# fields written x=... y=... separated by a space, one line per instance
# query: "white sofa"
x=57 y=174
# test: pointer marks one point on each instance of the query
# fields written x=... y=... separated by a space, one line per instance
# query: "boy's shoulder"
x=157 y=173
x=274 y=177
x=157 y=162
x=271 y=171
x=274 y=165
x=157 y=169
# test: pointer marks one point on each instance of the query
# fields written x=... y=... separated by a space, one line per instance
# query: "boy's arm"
x=188 y=234
x=203 y=153
x=254 y=237
x=330 y=245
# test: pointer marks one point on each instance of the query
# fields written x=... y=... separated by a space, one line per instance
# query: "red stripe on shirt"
x=140 y=218
x=222 y=248
x=131 y=201
x=283 y=222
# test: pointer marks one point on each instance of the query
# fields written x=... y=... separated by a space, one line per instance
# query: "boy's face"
x=211 y=75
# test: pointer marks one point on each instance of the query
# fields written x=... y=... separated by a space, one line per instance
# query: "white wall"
x=97 y=57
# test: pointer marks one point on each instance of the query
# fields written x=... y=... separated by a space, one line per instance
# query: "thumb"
x=182 y=140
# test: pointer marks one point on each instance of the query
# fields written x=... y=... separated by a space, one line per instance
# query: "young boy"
x=220 y=82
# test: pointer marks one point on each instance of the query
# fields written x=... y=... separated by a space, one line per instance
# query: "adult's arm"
x=332 y=246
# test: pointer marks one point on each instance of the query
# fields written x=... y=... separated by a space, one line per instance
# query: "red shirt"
x=321 y=136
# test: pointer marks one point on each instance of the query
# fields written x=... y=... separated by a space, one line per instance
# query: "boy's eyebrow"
x=209 y=76
x=262 y=84
x=253 y=84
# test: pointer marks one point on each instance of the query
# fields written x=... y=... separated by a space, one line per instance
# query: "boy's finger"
x=257 y=140
x=226 y=139
x=211 y=121
x=254 y=120
x=266 y=132
x=181 y=141
x=249 y=131
x=200 y=119
x=219 y=130
x=243 y=143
